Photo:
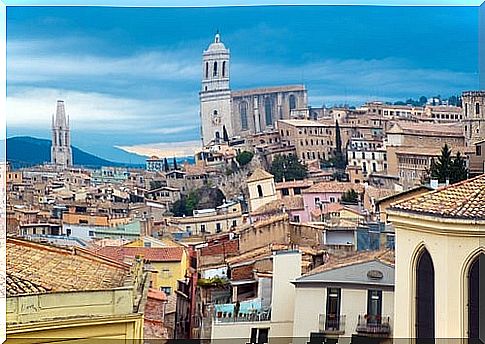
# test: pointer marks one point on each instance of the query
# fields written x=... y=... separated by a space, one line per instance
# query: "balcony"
x=373 y=326
x=249 y=311
x=331 y=324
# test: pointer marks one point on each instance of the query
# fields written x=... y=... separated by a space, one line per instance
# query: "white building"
x=369 y=155
x=61 y=153
x=346 y=298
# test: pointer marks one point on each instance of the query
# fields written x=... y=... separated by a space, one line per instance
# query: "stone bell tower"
x=61 y=153
x=215 y=95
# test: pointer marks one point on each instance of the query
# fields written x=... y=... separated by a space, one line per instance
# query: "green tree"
x=244 y=158
x=350 y=196
x=447 y=168
x=288 y=167
x=339 y=160
x=175 y=167
x=423 y=100
x=155 y=184
x=225 y=136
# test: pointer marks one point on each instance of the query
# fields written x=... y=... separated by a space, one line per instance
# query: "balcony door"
x=332 y=321
x=374 y=307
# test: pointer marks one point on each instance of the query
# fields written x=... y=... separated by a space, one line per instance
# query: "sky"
x=130 y=76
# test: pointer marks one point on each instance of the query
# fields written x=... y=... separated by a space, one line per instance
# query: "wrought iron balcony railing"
x=373 y=325
x=332 y=324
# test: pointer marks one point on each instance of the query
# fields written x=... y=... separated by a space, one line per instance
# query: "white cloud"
x=33 y=108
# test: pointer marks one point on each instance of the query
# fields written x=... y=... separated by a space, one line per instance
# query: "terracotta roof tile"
x=35 y=268
x=259 y=174
x=464 y=200
x=334 y=187
x=151 y=254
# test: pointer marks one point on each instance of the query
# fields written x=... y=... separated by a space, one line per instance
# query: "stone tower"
x=473 y=103
x=61 y=153
x=215 y=95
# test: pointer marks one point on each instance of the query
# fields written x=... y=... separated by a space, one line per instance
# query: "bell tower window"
x=206 y=70
x=477 y=108
x=223 y=69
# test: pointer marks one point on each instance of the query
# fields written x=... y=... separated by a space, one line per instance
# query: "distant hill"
x=23 y=151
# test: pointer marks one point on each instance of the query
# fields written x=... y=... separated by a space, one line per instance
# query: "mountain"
x=27 y=151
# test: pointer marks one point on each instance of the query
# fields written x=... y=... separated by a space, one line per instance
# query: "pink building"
x=321 y=194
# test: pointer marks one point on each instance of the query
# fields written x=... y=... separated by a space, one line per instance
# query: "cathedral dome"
x=217 y=45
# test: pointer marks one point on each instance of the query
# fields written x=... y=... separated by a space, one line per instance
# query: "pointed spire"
x=60 y=120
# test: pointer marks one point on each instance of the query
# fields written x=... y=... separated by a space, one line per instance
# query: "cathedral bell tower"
x=61 y=153
x=215 y=95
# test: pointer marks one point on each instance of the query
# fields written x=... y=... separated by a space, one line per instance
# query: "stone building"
x=474 y=116
x=240 y=113
x=61 y=153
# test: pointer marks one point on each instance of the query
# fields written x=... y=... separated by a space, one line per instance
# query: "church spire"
x=61 y=152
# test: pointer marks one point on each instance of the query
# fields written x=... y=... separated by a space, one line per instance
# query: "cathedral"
x=61 y=153
x=240 y=113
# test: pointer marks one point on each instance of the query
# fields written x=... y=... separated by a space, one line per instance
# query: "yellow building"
x=68 y=294
x=440 y=241
x=168 y=264
x=262 y=189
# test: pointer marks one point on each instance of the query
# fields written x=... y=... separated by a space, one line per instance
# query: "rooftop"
x=463 y=200
x=259 y=174
x=35 y=268
x=151 y=254
x=427 y=129
x=275 y=89
x=334 y=187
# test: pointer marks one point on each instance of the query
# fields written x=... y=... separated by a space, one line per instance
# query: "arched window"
x=206 y=70
x=223 y=69
x=292 y=102
x=475 y=293
x=268 y=111
x=60 y=139
x=215 y=69
x=243 y=112
x=218 y=136
x=425 y=317
x=260 y=191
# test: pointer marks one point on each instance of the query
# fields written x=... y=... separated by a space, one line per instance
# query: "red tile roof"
x=151 y=254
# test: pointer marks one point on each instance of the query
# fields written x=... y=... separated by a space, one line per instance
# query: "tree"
x=175 y=167
x=423 y=100
x=339 y=160
x=166 y=168
x=350 y=196
x=447 y=168
x=225 y=136
x=288 y=167
x=155 y=184
x=244 y=158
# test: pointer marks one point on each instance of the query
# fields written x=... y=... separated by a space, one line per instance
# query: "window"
x=234 y=223
x=166 y=290
x=243 y=112
x=296 y=218
x=292 y=102
x=68 y=231
x=206 y=70
x=259 y=335
x=268 y=111
x=218 y=227
x=332 y=199
x=260 y=191
x=285 y=192
x=83 y=222
x=223 y=68
x=297 y=191
x=332 y=317
x=215 y=69
x=147 y=244
x=374 y=306
x=477 y=108
x=479 y=150
x=91 y=233
x=202 y=228
x=317 y=200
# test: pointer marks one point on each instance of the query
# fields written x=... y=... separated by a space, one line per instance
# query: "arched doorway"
x=475 y=276
x=425 y=317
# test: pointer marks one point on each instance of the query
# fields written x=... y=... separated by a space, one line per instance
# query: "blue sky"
x=130 y=76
